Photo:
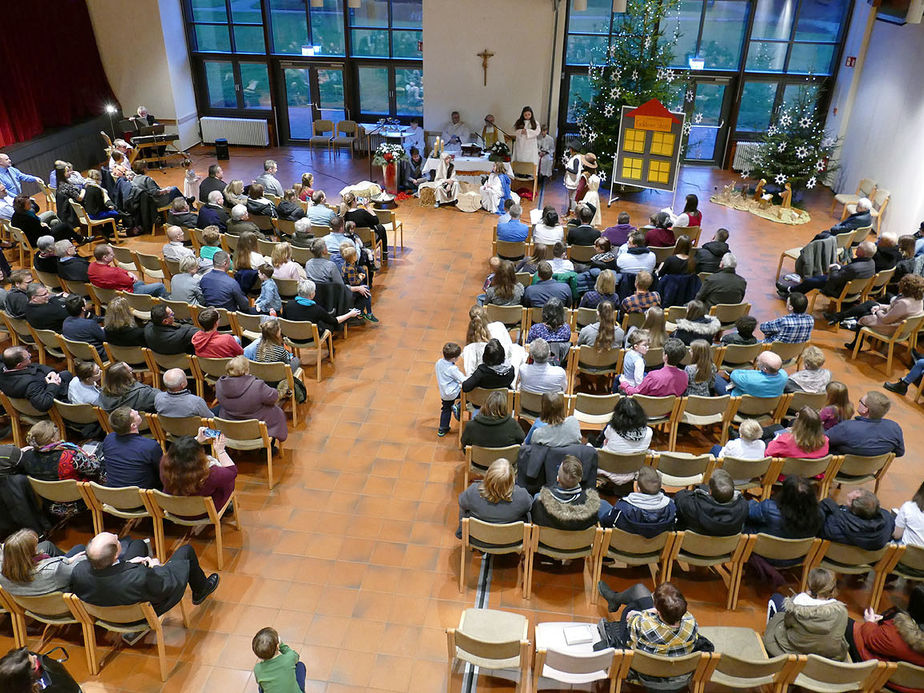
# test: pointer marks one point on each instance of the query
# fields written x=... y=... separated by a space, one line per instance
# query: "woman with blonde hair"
x=120 y=326
x=604 y=290
x=284 y=267
x=837 y=407
x=480 y=331
x=655 y=325
x=272 y=348
x=493 y=426
x=605 y=333
x=496 y=498
x=234 y=194
x=806 y=439
x=32 y=568
x=242 y=396
x=812 y=622
x=812 y=377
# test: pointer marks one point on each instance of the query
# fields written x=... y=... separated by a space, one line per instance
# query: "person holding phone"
x=186 y=470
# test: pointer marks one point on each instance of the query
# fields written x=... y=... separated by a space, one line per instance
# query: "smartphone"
x=211 y=433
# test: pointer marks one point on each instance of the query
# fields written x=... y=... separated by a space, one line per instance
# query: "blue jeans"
x=605 y=509
x=916 y=371
x=721 y=385
x=716 y=449
x=300 y=673
x=157 y=289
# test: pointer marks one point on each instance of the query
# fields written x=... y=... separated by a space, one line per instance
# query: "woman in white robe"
x=445 y=187
x=496 y=189
x=526 y=147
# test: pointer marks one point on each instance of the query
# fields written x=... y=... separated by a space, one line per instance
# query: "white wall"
x=143 y=67
x=520 y=33
x=884 y=135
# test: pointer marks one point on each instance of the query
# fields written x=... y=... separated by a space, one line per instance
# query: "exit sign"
x=851 y=61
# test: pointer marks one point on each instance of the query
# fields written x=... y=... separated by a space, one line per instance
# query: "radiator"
x=235 y=130
x=743 y=153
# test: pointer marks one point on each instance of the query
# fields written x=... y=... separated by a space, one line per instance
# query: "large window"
x=308 y=58
x=763 y=49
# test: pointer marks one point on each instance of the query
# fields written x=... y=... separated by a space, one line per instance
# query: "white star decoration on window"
x=698 y=118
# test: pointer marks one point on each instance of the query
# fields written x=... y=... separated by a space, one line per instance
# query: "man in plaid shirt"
x=642 y=299
x=794 y=328
x=657 y=623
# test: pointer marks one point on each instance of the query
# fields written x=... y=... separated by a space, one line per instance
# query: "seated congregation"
x=560 y=409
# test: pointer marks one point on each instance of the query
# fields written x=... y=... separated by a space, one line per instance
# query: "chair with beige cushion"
x=702 y=411
x=478 y=459
x=190 y=512
x=50 y=609
x=741 y=661
x=563 y=545
x=320 y=138
x=828 y=676
x=777 y=549
x=695 y=665
x=627 y=549
x=907 y=333
x=722 y=554
x=749 y=474
x=491 y=640
x=866 y=188
x=683 y=469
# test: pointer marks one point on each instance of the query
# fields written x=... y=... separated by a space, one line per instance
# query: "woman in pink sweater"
x=805 y=440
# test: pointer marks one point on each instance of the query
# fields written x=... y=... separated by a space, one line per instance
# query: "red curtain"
x=53 y=75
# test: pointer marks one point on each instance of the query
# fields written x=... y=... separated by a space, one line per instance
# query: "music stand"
x=128 y=125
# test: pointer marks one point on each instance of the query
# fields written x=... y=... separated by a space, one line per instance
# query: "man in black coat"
x=213 y=213
x=715 y=511
x=212 y=183
x=71 y=266
x=44 y=311
x=710 y=254
x=108 y=579
x=165 y=337
x=862 y=522
x=831 y=284
x=858 y=220
x=585 y=234
x=724 y=286
x=22 y=379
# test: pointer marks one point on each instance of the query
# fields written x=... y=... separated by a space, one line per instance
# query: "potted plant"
x=387 y=156
x=499 y=151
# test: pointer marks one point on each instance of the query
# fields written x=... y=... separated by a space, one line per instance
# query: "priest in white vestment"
x=456 y=133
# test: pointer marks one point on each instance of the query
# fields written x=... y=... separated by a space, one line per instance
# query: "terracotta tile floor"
x=352 y=556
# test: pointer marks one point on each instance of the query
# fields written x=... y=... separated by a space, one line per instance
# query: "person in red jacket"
x=105 y=275
x=895 y=636
x=209 y=342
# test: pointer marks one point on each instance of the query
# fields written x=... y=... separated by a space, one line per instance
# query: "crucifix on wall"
x=484 y=55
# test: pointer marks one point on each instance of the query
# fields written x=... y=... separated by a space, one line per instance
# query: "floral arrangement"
x=388 y=154
x=499 y=151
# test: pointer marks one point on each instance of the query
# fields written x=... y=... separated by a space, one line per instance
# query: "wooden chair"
x=696 y=665
x=661 y=253
x=187 y=312
x=302 y=335
x=51 y=204
x=189 y=511
x=21 y=412
x=265 y=247
x=47 y=343
x=155 y=267
x=525 y=278
x=776 y=549
x=120 y=619
x=50 y=609
x=127 y=503
x=628 y=549
x=246 y=325
x=134 y=356
x=61 y=491
x=880 y=201
x=491 y=640
x=523 y=170
x=683 y=469
x=91 y=224
x=877 y=289
x=52 y=281
x=702 y=411
x=907 y=333
x=101 y=297
x=593 y=411
x=369 y=240
x=825 y=675
x=317 y=231
x=393 y=227
x=905 y=675
x=79 y=351
x=583 y=253
x=826 y=467
x=854 y=470
x=161 y=363
x=265 y=223
x=852 y=560
x=789 y=352
x=586 y=359
x=511 y=316
x=248 y=434
x=18 y=329
x=749 y=474
x=722 y=554
x=661 y=411
x=288 y=288
x=478 y=459
x=851 y=293
x=25 y=247
x=750 y=673
x=476 y=398
x=584 y=317
x=125 y=258
x=572 y=668
x=563 y=545
x=70 y=417
x=168 y=428
x=630 y=320
x=319 y=138
x=495 y=539
x=866 y=188
x=79 y=288
x=345 y=136
x=621 y=464
x=275 y=372
x=798 y=400
x=792 y=253
x=765 y=409
x=211 y=369
x=691 y=232
x=141 y=304
x=907 y=562
x=510 y=249
x=527 y=405
x=728 y=313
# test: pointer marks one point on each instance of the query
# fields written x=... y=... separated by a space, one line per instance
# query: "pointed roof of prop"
x=653 y=108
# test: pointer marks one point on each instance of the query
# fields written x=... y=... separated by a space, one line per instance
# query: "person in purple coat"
x=243 y=396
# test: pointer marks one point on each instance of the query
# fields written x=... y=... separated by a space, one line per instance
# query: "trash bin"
x=221 y=149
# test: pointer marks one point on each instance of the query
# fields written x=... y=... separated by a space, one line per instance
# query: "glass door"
x=311 y=92
x=708 y=115
x=389 y=90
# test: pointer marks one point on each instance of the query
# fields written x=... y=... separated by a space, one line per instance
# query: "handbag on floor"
x=54 y=677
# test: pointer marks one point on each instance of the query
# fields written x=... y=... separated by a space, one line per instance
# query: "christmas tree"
x=635 y=69
x=795 y=148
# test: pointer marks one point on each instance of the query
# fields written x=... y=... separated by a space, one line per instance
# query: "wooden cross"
x=484 y=55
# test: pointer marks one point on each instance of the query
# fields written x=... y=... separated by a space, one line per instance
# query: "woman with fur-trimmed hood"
x=812 y=622
x=895 y=636
x=696 y=324
x=566 y=505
